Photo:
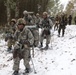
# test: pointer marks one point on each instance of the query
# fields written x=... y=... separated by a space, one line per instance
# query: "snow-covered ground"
x=58 y=60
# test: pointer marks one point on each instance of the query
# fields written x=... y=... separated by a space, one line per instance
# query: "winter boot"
x=46 y=47
x=27 y=70
x=41 y=45
x=58 y=35
x=9 y=49
x=15 y=73
x=62 y=35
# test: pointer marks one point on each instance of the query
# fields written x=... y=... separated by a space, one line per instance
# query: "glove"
x=21 y=41
x=10 y=36
x=25 y=42
x=29 y=56
x=31 y=45
x=6 y=39
x=15 y=53
x=26 y=46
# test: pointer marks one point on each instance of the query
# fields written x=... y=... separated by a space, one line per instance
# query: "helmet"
x=37 y=14
x=45 y=13
x=21 y=21
x=25 y=12
x=13 y=20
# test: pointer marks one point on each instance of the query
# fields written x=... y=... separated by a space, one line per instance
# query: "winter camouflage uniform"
x=27 y=18
x=35 y=33
x=70 y=19
x=45 y=33
x=75 y=20
x=9 y=34
x=38 y=20
x=22 y=48
x=56 y=22
x=62 y=26
x=32 y=21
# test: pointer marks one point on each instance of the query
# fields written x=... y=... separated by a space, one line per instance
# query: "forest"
x=14 y=8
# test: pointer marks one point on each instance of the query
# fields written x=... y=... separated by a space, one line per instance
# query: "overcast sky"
x=64 y=2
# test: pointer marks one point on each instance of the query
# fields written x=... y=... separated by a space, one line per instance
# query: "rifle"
x=18 y=51
x=33 y=51
x=19 y=48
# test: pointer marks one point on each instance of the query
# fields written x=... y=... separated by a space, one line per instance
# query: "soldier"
x=66 y=20
x=46 y=26
x=22 y=48
x=38 y=20
x=33 y=17
x=62 y=26
x=35 y=31
x=9 y=34
x=70 y=19
x=56 y=22
x=75 y=20
x=31 y=21
x=27 y=18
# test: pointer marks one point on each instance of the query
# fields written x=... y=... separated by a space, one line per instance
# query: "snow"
x=58 y=60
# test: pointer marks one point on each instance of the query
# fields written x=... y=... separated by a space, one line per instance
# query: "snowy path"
x=60 y=60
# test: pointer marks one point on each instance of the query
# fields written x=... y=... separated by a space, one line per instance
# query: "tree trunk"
x=8 y=12
x=17 y=10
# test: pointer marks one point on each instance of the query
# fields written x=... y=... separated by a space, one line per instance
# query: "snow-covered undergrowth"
x=60 y=59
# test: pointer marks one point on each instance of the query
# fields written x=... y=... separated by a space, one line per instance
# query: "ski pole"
x=33 y=66
x=51 y=39
x=33 y=51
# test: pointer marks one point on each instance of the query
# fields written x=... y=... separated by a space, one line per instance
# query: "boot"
x=62 y=35
x=15 y=73
x=27 y=70
x=58 y=35
x=46 y=47
x=9 y=49
x=41 y=45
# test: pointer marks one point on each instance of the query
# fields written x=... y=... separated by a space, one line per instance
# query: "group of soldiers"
x=61 y=21
x=23 y=35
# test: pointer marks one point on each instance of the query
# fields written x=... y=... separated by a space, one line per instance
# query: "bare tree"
x=17 y=9
x=8 y=12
